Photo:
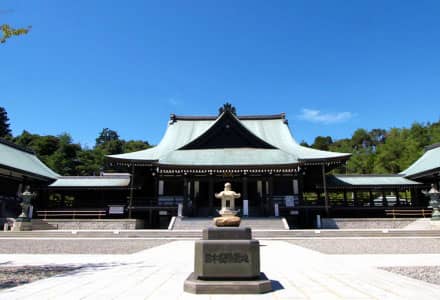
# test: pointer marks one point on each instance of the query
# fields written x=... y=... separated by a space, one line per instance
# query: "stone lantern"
x=23 y=222
x=434 y=202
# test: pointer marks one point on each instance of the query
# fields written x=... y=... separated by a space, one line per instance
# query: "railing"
x=409 y=212
x=9 y=198
x=153 y=201
x=72 y=213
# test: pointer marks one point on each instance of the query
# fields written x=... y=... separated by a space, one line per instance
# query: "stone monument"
x=227 y=259
x=23 y=221
x=227 y=212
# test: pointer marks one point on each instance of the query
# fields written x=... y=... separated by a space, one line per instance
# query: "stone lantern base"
x=435 y=215
x=22 y=224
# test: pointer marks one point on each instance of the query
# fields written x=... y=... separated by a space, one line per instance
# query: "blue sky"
x=331 y=66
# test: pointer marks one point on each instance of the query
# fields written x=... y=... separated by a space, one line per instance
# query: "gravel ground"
x=56 y=246
x=371 y=246
x=14 y=276
x=430 y=274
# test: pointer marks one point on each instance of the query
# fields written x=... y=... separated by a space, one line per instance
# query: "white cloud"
x=317 y=116
x=174 y=101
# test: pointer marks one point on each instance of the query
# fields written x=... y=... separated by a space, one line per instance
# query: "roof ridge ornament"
x=227 y=107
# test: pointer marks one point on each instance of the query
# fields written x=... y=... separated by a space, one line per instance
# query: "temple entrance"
x=201 y=201
x=254 y=200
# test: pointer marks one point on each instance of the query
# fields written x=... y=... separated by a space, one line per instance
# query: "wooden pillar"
x=300 y=178
x=270 y=196
x=245 y=192
x=384 y=199
x=260 y=196
x=414 y=197
x=345 y=198
x=2 y=209
x=370 y=193
x=324 y=183
x=185 y=196
x=130 y=201
x=154 y=201
x=211 y=195
x=397 y=198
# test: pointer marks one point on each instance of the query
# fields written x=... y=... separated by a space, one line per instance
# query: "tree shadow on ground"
x=12 y=276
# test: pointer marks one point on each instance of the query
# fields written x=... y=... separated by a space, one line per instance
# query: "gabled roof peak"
x=227 y=107
x=227 y=132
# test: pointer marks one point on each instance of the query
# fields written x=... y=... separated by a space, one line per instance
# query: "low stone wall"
x=364 y=223
x=92 y=224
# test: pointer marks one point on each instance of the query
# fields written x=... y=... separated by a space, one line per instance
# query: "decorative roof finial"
x=227 y=107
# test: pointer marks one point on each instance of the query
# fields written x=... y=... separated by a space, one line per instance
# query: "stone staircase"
x=196 y=234
x=267 y=223
x=39 y=224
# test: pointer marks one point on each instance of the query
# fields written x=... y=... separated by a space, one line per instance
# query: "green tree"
x=65 y=159
x=90 y=162
x=5 y=131
x=132 y=146
x=304 y=143
x=8 y=32
x=361 y=138
x=390 y=153
x=108 y=141
x=25 y=139
x=322 y=142
x=105 y=136
x=377 y=135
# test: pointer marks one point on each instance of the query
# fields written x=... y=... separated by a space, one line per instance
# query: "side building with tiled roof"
x=19 y=167
x=427 y=167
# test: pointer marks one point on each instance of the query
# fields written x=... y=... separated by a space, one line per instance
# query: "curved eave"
x=320 y=161
x=369 y=182
x=216 y=167
x=429 y=173
x=88 y=188
x=27 y=173
x=371 y=187
x=130 y=162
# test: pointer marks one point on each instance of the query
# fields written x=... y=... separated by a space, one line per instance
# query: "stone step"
x=39 y=224
x=185 y=223
x=196 y=234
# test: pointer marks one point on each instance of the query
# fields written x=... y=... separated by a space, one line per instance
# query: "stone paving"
x=159 y=273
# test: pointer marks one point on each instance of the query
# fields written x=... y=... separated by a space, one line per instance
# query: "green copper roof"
x=369 y=181
x=92 y=181
x=274 y=131
x=21 y=160
x=429 y=162
x=228 y=157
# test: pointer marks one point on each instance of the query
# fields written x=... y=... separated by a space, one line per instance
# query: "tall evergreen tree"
x=5 y=131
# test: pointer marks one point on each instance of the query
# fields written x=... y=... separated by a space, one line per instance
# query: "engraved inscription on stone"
x=226 y=258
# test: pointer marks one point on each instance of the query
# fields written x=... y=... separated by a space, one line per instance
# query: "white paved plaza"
x=159 y=273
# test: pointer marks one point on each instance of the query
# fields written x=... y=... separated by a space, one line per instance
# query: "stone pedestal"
x=227 y=221
x=227 y=261
x=22 y=224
